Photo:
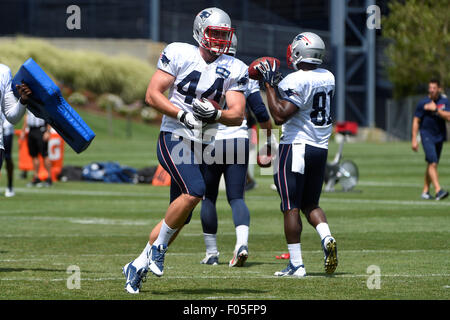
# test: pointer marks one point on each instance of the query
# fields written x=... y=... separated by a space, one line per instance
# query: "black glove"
x=270 y=75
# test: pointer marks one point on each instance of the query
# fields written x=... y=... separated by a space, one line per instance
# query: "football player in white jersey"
x=12 y=109
x=232 y=156
x=192 y=74
x=8 y=137
x=304 y=112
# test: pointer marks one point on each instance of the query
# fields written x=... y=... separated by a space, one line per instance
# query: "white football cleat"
x=156 y=259
x=211 y=259
x=330 y=252
x=134 y=278
x=239 y=257
x=9 y=192
x=291 y=271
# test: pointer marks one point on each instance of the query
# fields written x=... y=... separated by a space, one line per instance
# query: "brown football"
x=254 y=73
x=215 y=104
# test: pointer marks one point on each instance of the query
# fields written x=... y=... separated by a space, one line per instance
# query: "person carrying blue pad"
x=429 y=119
x=48 y=103
x=12 y=109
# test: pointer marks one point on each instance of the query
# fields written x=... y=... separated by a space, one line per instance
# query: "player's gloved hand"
x=269 y=73
x=188 y=119
x=205 y=111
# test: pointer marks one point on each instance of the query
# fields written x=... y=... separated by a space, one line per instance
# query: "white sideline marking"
x=240 y=277
x=92 y=193
x=249 y=197
x=425 y=203
x=90 y=220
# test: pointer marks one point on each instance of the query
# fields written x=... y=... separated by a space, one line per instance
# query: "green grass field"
x=100 y=227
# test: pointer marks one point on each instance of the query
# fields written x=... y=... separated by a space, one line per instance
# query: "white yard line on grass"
x=246 y=276
x=250 y=197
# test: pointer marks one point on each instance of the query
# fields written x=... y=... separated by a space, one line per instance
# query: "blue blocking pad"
x=48 y=103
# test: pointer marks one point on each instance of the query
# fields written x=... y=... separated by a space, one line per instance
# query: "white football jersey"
x=228 y=132
x=33 y=121
x=194 y=78
x=311 y=91
x=5 y=86
x=8 y=127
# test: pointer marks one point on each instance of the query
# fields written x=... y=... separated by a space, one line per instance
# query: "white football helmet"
x=212 y=30
x=306 y=47
x=233 y=47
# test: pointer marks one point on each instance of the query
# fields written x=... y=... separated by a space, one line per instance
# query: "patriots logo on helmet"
x=165 y=61
x=302 y=37
x=204 y=15
x=223 y=72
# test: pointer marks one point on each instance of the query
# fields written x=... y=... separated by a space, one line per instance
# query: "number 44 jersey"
x=311 y=91
x=194 y=78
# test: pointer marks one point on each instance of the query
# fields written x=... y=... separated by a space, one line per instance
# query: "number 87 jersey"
x=311 y=91
x=194 y=78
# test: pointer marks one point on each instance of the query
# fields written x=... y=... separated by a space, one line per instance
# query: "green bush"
x=122 y=75
x=110 y=101
x=77 y=99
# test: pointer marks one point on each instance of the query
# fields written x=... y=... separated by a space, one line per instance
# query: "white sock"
x=295 y=252
x=323 y=230
x=141 y=261
x=165 y=234
x=211 y=243
x=241 y=236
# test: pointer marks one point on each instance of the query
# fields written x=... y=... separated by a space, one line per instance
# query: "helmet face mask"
x=217 y=39
x=212 y=30
x=233 y=47
x=306 y=47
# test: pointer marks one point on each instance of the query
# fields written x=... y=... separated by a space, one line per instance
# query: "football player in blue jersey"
x=303 y=110
x=192 y=74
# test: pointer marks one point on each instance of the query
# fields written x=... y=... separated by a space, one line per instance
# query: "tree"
x=419 y=44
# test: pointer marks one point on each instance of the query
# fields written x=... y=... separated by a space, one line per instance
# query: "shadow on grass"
x=209 y=291
x=36 y=269
x=323 y=274
x=252 y=264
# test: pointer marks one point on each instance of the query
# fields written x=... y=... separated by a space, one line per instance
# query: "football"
x=254 y=74
x=215 y=104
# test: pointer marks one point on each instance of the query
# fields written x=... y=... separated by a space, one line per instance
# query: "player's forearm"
x=160 y=102
x=13 y=109
x=275 y=107
x=231 y=117
x=444 y=114
x=415 y=129
x=266 y=125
